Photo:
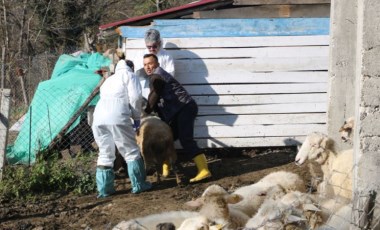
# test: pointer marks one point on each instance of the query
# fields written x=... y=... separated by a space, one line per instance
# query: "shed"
x=257 y=81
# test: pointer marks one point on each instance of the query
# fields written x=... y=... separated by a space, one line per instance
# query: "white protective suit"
x=120 y=100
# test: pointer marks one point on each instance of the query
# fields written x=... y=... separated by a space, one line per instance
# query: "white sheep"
x=295 y=210
x=308 y=204
x=287 y=180
x=340 y=219
x=346 y=133
x=156 y=143
x=151 y=221
x=272 y=215
x=274 y=184
x=214 y=206
x=298 y=210
x=336 y=167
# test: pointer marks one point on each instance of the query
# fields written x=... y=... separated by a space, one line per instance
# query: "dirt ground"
x=230 y=168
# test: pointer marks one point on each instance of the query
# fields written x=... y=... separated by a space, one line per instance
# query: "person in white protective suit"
x=120 y=100
x=154 y=45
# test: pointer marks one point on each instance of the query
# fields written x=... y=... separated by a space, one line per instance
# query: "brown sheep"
x=156 y=143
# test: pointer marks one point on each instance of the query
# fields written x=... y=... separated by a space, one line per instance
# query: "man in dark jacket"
x=177 y=108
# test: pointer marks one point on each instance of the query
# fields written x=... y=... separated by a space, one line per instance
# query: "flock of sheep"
x=277 y=201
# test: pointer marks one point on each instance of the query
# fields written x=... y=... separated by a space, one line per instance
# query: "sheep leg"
x=178 y=172
x=158 y=178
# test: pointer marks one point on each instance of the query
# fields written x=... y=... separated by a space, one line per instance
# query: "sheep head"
x=314 y=149
x=214 y=190
x=347 y=129
x=214 y=202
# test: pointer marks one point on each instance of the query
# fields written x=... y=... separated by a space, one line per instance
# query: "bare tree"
x=22 y=31
x=5 y=26
x=158 y=4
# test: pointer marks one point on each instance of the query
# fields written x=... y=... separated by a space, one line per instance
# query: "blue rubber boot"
x=137 y=175
x=105 y=177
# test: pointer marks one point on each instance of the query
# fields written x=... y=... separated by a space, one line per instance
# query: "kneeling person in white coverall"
x=120 y=100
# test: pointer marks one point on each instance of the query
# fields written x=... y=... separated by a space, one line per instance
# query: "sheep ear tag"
x=233 y=198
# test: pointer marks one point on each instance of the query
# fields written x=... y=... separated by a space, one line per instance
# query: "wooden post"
x=22 y=83
x=62 y=133
x=4 y=113
x=20 y=73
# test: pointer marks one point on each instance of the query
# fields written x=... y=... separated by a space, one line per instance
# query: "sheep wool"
x=336 y=167
x=151 y=221
x=214 y=205
x=156 y=143
x=274 y=185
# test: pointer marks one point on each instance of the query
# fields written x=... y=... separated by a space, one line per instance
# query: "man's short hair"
x=130 y=64
x=152 y=36
x=151 y=55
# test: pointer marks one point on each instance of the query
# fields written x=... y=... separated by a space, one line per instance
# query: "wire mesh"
x=341 y=212
x=23 y=85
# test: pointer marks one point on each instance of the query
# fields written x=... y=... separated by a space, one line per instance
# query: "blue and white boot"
x=137 y=175
x=105 y=177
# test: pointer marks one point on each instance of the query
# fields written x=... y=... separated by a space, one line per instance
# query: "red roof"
x=161 y=14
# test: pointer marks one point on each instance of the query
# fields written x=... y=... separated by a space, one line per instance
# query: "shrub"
x=49 y=175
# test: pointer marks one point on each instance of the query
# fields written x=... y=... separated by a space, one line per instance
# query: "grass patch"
x=49 y=175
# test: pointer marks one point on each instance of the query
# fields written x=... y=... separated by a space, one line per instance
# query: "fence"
x=50 y=103
x=4 y=123
x=340 y=213
x=23 y=79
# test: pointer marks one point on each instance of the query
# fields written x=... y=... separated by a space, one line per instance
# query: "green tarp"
x=54 y=104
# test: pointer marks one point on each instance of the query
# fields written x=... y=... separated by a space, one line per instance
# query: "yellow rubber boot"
x=165 y=169
x=203 y=172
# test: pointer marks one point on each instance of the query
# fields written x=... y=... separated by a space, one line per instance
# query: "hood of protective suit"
x=122 y=66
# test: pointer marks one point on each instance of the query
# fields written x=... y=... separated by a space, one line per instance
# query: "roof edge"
x=156 y=14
